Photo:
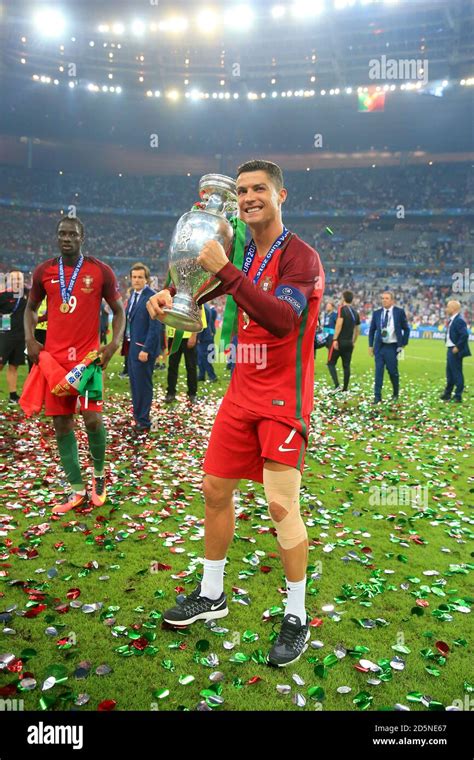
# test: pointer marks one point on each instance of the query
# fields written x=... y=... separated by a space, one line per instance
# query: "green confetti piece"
x=414 y=696
x=202 y=645
x=401 y=648
x=161 y=693
x=185 y=680
x=432 y=670
x=316 y=692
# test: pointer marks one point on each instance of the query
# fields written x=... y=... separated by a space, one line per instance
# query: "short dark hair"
x=348 y=296
x=260 y=165
x=139 y=265
x=71 y=219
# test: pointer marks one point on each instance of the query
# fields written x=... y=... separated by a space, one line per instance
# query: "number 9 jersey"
x=72 y=334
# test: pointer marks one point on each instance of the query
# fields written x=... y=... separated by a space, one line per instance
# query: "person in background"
x=145 y=336
x=457 y=344
x=205 y=342
x=12 y=333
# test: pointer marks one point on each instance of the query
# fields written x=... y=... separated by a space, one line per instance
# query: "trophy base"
x=185 y=314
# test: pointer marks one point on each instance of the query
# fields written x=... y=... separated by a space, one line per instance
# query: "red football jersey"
x=274 y=375
x=72 y=335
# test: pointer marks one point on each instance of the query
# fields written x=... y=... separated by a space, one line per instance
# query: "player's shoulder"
x=41 y=268
x=298 y=249
x=106 y=270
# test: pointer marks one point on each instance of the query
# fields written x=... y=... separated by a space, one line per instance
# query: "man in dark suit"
x=144 y=335
x=457 y=343
x=388 y=335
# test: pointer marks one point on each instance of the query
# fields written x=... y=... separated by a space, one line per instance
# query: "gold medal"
x=245 y=319
x=64 y=308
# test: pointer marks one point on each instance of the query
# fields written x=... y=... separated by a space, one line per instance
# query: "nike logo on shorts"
x=287 y=440
x=54 y=281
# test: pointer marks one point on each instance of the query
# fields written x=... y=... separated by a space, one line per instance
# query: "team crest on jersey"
x=87 y=280
x=266 y=283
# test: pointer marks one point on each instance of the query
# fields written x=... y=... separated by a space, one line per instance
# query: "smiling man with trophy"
x=261 y=430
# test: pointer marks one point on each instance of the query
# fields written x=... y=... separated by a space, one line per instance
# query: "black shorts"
x=12 y=350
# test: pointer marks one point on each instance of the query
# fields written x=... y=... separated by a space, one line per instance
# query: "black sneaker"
x=14 y=398
x=291 y=642
x=169 y=398
x=195 y=607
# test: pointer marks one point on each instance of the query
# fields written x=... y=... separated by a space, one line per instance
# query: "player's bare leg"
x=96 y=436
x=220 y=515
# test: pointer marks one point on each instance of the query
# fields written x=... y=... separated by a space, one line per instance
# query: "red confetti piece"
x=140 y=643
x=160 y=566
x=316 y=622
x=442 y=647
x=8 y=690
x=16 y=666
x=35 y=611
x=73 y=593
x=265 y=569
x=422 y=603
x=361 y=668
x=107 y=705
x=254 y=679
x=62 y=608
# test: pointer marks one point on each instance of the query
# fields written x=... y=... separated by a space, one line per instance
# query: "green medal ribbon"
x=178 y=335
x=230 y=311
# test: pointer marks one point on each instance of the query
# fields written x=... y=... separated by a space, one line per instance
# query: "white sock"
x=212 y=584
x=296 y=597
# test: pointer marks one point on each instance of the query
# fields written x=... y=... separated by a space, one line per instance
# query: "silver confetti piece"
x=298 y=680
x=103 y=670
x=82 y=699
x=344 y=689
x=316 y=644
x=6 y=659
x=299 y=700
x=402 y=708
x=217 y=676
x=27 y=684
x=283 y=688
x=397 y=663
x=48 y=683
x=51 y=631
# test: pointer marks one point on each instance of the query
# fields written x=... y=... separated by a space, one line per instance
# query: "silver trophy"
x=193 y=230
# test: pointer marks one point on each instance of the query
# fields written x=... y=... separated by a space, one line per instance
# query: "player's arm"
x=111 y=293
x=337 y=329
x=279 y=313
x=372 y=329
x=118 y=327
x=356 y=332
x=30 y=317
x=405 y=328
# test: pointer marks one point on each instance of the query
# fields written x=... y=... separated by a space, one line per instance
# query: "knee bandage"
x=282 y=488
